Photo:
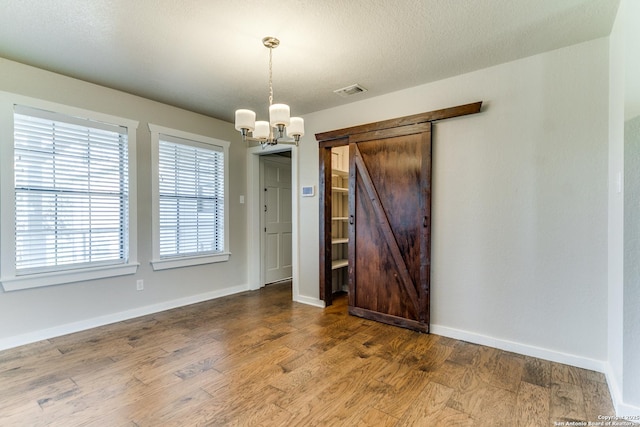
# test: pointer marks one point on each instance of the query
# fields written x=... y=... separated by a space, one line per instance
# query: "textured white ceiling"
x=207 y=55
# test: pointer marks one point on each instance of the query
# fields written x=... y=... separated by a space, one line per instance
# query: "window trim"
x=157 y=262
x=8 y=278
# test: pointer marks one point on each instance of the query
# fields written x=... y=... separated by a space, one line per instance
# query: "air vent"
x=349 y=90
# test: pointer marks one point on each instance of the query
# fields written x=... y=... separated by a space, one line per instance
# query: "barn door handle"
x=351 y=219
x=424 y=222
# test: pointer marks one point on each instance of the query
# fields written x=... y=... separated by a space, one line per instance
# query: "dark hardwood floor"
x=259 y=359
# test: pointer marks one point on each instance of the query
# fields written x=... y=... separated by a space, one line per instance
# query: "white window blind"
x=191 y=198
x=71 y=192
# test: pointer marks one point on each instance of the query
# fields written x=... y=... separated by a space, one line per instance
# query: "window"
x=191 y=184
x=190 y=211
x=71 y=199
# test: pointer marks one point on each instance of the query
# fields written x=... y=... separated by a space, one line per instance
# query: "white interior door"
x=277 y=255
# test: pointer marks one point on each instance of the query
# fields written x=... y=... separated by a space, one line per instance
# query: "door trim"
x=431 y=116
x=255 y=277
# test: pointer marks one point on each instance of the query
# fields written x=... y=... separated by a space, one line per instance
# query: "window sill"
x=68 y=276
x=165 y=264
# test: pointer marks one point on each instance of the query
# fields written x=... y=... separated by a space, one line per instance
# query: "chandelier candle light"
x=271 y=132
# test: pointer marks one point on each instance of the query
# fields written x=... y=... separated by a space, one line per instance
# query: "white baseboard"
x=309 y=301
x=520 y=348
x=615 y=389
x=83 y=325
x=622 y=409
x=625 y=410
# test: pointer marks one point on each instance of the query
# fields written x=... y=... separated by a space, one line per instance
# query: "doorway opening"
x=334 y=242
x=275 y=221
x=257 y=252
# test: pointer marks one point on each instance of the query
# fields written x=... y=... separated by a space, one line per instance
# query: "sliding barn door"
x=389 y=233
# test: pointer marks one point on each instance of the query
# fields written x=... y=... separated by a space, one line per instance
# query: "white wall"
x=616 y=207
x=631 y=303
x=624 y=211
x=519 y=249
x=630 y=13
x=33 y=314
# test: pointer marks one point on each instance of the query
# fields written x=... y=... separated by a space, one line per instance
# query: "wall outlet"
x=139 y=284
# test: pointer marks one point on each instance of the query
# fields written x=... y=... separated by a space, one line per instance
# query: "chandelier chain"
x=270 y=76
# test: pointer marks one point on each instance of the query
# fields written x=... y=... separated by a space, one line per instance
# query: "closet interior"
x=340 y=219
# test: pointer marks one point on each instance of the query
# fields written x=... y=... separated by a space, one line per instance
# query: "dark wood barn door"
x=389 y=216
x=390 y=184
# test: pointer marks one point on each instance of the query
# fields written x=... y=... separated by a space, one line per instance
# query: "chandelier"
x=273 y=131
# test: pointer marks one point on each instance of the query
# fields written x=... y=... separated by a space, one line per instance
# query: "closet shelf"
x=339 y=263
x=339 y=241
x=339 y=190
